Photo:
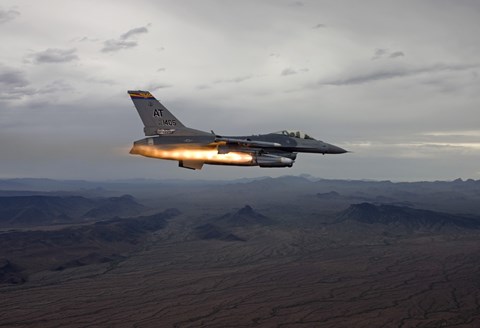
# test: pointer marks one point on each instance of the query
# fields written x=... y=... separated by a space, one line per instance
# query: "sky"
x=395 y=82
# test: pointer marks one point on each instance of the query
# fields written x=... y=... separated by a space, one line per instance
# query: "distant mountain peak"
x=246 y=210
x=246 y=216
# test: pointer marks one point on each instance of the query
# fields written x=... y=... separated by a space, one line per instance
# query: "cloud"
x=414 y=149
x=288 y=71
x=8 y=15
x=13 y=83
x=116 y=45
x=291 y=71
x=101 y=80
x=395 y=72
x=381 y=53
x=12 y=77
x=202 y=87
x=56 y=86
x=370 y=77
x=396 y=54
x=54 y=55
x=124 y=41
x=85 y=39
x=156 y=86
x=133 y=31
x=346 y=96
x=467 y=133
x=237 y=79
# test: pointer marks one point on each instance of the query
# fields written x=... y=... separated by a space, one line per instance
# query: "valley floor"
x=278 y=278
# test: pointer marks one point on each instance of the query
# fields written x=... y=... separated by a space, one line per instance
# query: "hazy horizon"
x=232 y=180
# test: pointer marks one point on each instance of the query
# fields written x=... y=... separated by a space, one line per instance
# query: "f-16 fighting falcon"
x=168 y=138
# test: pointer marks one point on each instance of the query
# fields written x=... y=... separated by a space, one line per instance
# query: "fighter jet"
x=167 y=138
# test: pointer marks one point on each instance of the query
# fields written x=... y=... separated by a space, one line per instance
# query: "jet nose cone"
x=337 y=150
x=332 y=149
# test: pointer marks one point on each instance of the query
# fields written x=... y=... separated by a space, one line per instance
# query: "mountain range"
x=20 y=211
x=407 y=217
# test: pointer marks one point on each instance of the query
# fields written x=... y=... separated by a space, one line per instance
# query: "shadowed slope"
x=407 y=217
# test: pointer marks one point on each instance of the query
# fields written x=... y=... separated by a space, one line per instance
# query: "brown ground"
x=278 y=278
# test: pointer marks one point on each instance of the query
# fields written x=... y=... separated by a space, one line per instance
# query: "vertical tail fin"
x=156 y=118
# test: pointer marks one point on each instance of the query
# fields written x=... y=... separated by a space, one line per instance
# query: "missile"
x=273 y=161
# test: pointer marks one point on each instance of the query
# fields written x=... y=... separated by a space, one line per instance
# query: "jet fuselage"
x=168 y=138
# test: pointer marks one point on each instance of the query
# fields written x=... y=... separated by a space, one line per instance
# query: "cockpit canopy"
x=295 y=134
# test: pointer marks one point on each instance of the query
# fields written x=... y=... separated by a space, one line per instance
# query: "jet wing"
x=248 y=142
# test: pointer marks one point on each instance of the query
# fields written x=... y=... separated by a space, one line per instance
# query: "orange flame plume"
x=202 y=155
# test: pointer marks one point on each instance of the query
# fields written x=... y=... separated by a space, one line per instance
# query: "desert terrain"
x=284 y=252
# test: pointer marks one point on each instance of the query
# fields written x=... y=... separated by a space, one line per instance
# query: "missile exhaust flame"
x=203 y=155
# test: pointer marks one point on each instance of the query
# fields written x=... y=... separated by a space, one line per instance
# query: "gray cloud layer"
x=124 y=41
x=133 y=31
x=388 y=80
x=53 y=55
x=12 y=77
x=8 y=15
x=290 y=71
x=386 y=73
x=13 y=83
x=236 y=79
x=381 y=53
